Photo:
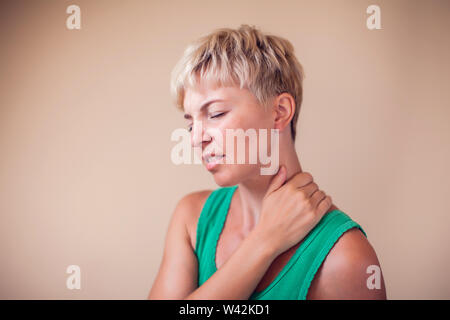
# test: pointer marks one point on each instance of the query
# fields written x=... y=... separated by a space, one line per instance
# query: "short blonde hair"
x=262 y=63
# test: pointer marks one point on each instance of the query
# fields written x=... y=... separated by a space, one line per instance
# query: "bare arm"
x=177 y=275
x=343 y=274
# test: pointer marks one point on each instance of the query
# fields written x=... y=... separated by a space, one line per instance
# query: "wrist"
x=263 y=244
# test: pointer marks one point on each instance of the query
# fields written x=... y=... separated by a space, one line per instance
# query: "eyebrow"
x=205 y=105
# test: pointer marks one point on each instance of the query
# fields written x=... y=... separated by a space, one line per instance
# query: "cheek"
x=246 y=120
x=233 y=122
x=254 y=121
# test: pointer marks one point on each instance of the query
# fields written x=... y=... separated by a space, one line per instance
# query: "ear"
x=283 y=110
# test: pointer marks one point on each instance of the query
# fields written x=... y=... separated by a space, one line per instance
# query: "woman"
x=257 y=236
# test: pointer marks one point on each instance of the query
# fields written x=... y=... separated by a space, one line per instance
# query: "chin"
x=231 y=175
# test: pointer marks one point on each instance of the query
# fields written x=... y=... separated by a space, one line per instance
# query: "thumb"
x=277 y=180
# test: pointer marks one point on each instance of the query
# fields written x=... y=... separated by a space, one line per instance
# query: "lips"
x=213 y=158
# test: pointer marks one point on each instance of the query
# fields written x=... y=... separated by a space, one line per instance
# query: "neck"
x=252 y=191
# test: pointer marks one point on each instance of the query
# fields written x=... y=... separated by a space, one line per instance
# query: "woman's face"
x=209 y=112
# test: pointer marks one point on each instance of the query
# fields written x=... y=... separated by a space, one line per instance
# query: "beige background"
x=86 y=118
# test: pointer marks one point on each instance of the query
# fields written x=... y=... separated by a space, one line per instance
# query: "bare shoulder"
x=189 y=208
x=173 y=282
x=351 y=270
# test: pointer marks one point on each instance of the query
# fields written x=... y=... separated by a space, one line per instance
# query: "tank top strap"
x=319 y=243
x=209 y=226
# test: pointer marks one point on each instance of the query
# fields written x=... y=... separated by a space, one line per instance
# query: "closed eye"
x=218 y=115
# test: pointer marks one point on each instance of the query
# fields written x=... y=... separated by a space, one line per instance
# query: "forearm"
x=240 y=274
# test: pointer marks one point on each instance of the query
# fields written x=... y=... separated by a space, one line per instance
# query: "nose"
x=199 y=134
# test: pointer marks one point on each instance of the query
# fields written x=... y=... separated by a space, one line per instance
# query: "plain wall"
x=86 y=118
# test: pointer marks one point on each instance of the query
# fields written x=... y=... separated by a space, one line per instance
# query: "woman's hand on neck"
x=251 y=192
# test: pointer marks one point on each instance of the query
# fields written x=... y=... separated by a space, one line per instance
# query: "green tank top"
x=294 y=280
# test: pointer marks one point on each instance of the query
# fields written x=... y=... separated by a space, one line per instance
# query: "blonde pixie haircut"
x=245 y=57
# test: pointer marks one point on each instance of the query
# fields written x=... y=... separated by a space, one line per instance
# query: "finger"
x=309 y=189
x=277 y=180
x=323 y=207
x=300 y=180
x=316 y=197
